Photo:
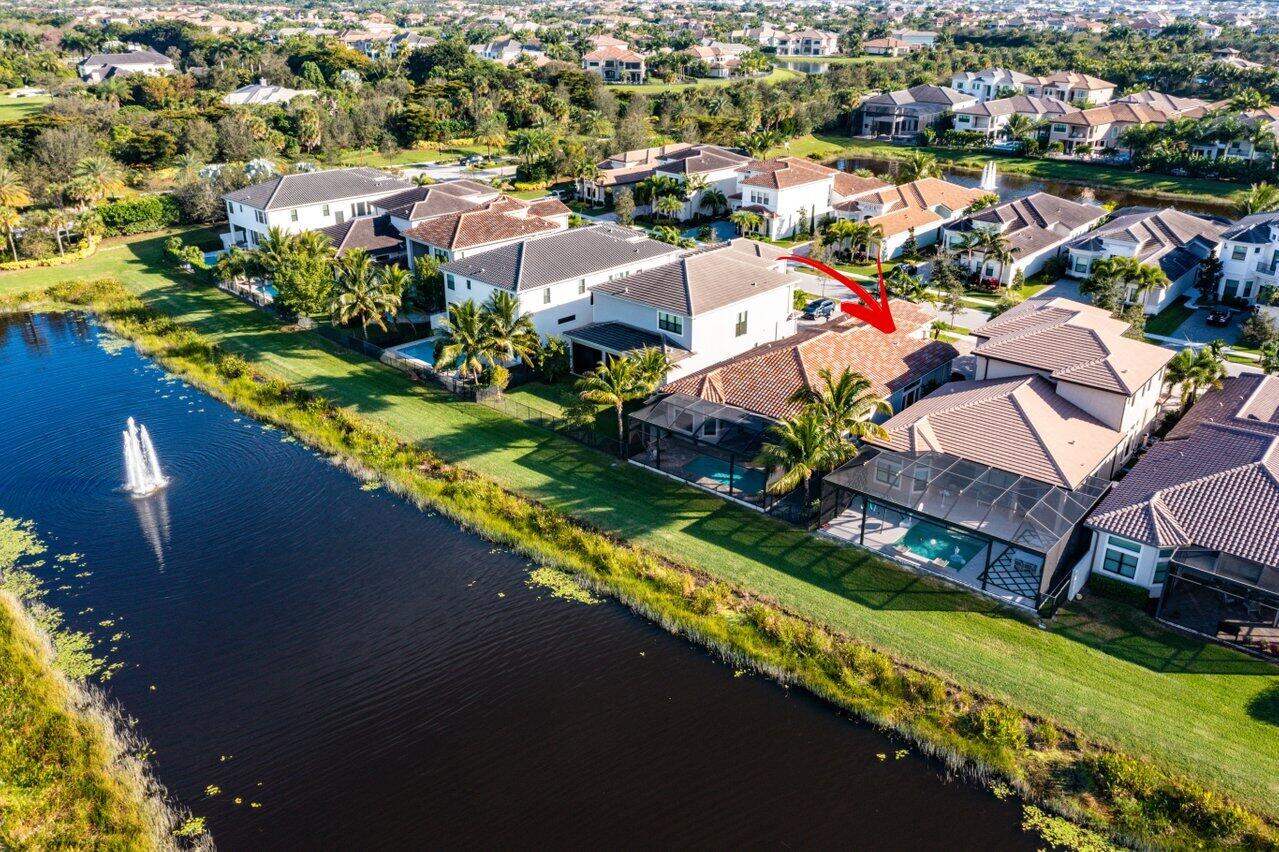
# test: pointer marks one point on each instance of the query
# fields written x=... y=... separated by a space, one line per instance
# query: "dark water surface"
x=375 y=678
x=1010 y=186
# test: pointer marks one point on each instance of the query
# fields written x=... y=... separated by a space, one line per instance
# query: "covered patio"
x=1009 y=536
x=1223 y=597
x=707 y=444
x=592 y=343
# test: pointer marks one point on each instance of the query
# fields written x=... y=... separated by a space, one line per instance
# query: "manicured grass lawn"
x=1198 y=189
x=1169 y=319
x=410 y=156
x=12 y=109
x=777 y=75
x=1108 y=671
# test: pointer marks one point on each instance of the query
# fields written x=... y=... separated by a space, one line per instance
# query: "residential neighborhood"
x=406 y=404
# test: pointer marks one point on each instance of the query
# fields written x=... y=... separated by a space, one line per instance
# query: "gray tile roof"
x=133 y=57
x=702 y=158
x=1256 y=228
x=296 y=190
x=926 y=94
x=1213 y=484
x=371 y=233
x=1035 y=222
x=1169 y=237
x=561 y=256
x=700 y=281
x=622 y=338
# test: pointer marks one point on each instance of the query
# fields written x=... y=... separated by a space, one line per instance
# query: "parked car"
x=473 y=160
x=1220 y=316
x=819 y=309
x=910 y=268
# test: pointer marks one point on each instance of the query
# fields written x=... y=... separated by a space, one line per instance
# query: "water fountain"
x=141 y=465
x=989 y=177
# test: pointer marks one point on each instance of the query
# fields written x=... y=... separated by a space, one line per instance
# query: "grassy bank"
x=774 y=76
x=969 y=727
x=1199 y=190
x=69 y=777
x=1191 y=706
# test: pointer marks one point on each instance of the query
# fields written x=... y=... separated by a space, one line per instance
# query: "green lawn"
x=12 y=109
x=777 y=75
x=411 y=156
x=1202 y=190
x=1169 y=319
x=1102 y=669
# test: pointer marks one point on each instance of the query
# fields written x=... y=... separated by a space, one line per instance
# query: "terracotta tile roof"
x=1019 y=425
x=901 y=221
x=477 y=228
x=848 y=184
x=1214 y=483
x=925 y=193
x=1072 y=342
x=549 y=206
x=1074 y=80
x=612 y=51
x=785 y=172
x=763 y=379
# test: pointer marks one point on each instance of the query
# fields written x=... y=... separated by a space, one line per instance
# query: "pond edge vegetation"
x=1110 y=796
x=74 y=773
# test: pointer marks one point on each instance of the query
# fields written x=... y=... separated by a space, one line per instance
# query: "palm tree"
x=1270 y=358
x=714 y=200
x=693 y=184
x=511 y=334
x=843 y=231
x=864 y=235
x=746 y=221
x=60 y=222
x=360 y=294
x=799 y=447
x=654 y=365
x=530 y=145
x=1260 y=198
x=995 y=246
x=13 y=192
x=187 y=166
x=101 y=176
x=1116 y=280
x=614 y=383
x=968 y=244
x=1019 y=127
x=846 y=405
x=275 y=250
x=668 y=205
x=917 y=165
x=10 y=220
x=906 y=286
x=1194 y=372
x=463 y=342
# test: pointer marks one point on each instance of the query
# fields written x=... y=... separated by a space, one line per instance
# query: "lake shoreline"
x=972 y=733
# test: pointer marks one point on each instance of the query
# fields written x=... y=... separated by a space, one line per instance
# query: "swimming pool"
x=422 y=351
x=931 y=541
x=720 y=231
x=747 y=480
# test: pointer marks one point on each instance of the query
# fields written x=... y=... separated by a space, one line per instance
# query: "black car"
x=1220 y=316
x=819 y=308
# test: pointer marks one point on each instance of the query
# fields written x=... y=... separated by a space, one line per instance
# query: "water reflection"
x=153 y=518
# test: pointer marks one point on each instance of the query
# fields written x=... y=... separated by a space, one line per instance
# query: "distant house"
x=808 y=42
x=508 y=49
x=1097 y=130
x=1243 y=145
x=991 y=117
x=104 y=66
x=919 y=209
x=260 y=94
x=1175 y=241
x=991 y=83
x=1037 y=226
x=922 y=38
x=722 y=60
x=616 y=65
x=719 y=167
x=765 y=35
x=887 y=47
x=1194 y=521
x=1071 y=86
x=904 y=113
x=624 y=170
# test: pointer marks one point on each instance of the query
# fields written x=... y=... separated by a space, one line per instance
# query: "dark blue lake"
x=375 y=678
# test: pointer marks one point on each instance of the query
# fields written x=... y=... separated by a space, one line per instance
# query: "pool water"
x=720 y=230
x=744 y=479
x=419 y=350
x=933 y=542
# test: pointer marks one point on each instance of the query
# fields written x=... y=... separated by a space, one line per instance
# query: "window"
x=546 y=296
x=581 y=287
x=741 y=324
x=339 y=217
x=670 y=322
x=1081 y=266
x=1239 y=253
x=448 y=279
x=1161 y=565
x=1121 y=556
x=359 y=208
x=888 y=474
x=710 y=427
x=1059 y=128
x=326 y=211
x=566 y=320
x=293 y=215
x=919 y=479
x=259 y=216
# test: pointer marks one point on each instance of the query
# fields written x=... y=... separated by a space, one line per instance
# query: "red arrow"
x=874 y=312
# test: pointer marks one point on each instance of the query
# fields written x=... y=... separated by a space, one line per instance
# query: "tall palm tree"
x=1260 y=198
x=614 y=383
x=511 y=334
x=463 y=342
x=800 y=448
x=1194 y=372
x=842 y=231
x=361 y=294
x=10 y=220
x=668 y=205
x=60 y=222
x=713 y=200
x=997 y=247
x=845 y=404
x=864 y=236
x=275 y=250
x=654 y=365
x=917 y=165
x=746 y=221
x=1117 y=280
x=102 y=176
x=693 y=184
x=13 y=192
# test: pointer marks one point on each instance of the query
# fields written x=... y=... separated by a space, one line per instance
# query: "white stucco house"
x=1250 y=259
x=919 y=209
x=789 y=191
x=104 y=66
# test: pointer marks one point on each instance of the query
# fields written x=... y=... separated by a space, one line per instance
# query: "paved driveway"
x=1067 y=288
x=1196 y=329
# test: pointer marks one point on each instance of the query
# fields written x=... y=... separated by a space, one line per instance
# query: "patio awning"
x=1017 y=510
x=1253 y=576
x=620 y=338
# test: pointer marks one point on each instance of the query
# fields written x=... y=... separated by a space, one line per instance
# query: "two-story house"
x=306 y=201
x=991 y=117
x=555 y=276
x=1250 y=259
x=1174 y=240
x=505 y=220
x=919 y=209
x=903 y=114
x=990 y=83
x=788 y=192
x=808 y=42
x=717 y=166
x=623 y=171
x=1071 y=86
x=616 y=65
x=1099 y=130
x=1037 y=228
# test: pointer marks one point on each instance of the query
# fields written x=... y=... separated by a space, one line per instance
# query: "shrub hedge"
x=139 y=215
